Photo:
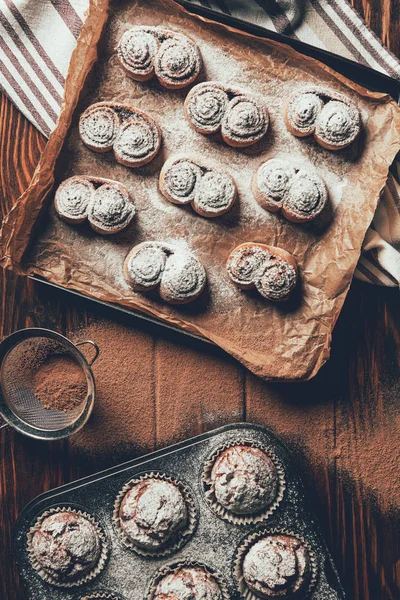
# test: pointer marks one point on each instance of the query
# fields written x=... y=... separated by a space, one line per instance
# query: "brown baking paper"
x=280 y=342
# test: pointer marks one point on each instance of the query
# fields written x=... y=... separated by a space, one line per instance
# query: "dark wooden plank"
x=343 y=424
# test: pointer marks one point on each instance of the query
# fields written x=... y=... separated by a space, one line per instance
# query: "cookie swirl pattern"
x=105 y=204
x=242 y=117
x=190 y=180
x=298 y=192
x=271 y=270
x=133 y=135
x=145 y=52
x=334 y=121
x=177 y=274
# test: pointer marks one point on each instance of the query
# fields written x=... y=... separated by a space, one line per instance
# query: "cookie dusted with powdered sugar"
x=241 y=116
x=295 y=190
x=133 y=135
x=334 y=121
x=191 y=180
x=177 y=274
x=106 y=204
x=271 y=270
x=172 y=57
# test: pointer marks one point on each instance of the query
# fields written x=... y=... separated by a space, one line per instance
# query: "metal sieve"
x=21 y=354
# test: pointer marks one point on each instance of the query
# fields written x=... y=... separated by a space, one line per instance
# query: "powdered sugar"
x=210 y=191
x=152 y=512
x=244 y=480
x=188 y=583
x=171 y=56
x=66 y=545
x=276 y=566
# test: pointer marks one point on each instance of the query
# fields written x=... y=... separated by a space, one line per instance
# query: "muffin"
x=66 y=546
x=244 y=480
x=194 y=583
x=152 y=513
x=277 y=566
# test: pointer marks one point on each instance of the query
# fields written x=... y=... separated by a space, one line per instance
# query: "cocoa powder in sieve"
x=42 y=365
x=60 y=383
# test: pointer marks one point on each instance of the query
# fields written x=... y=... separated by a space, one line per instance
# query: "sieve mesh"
x=18 y=373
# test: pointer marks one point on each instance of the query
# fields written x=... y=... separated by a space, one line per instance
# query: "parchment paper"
x=281 y=342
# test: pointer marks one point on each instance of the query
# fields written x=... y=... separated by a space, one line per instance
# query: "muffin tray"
x=215 y=540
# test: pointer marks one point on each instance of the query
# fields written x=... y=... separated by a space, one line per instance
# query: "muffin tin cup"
x=183 y=536
x=255 y=537
x=224 y=513
x=100 y=596
x=87 y=576
x=174 y=568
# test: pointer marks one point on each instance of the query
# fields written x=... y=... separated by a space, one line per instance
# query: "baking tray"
x=361 y=74
x=370 y=78
x=214 y=541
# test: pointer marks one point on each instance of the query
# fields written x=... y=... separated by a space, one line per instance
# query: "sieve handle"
x=96 y=348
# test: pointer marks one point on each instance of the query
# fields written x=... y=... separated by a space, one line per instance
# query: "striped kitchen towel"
x=38 y=37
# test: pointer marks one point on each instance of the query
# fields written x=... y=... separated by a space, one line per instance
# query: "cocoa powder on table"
x=152 y=392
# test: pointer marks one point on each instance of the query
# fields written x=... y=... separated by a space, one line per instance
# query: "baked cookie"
x=145 y=52
x=297 y=191
x=176 y=273
x=240 y=116
x=271 y=270
x=106 y=204
x=334 y=121
x=190 y=180
x=133 y=135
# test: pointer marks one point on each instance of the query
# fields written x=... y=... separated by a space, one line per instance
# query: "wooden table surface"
x=353 y=405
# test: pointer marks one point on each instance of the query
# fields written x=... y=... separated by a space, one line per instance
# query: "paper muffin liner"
x=224 y=513
x=175 y=567
x=182 y=537
x=96 y=570
x=252 y=539
x=100 y=596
